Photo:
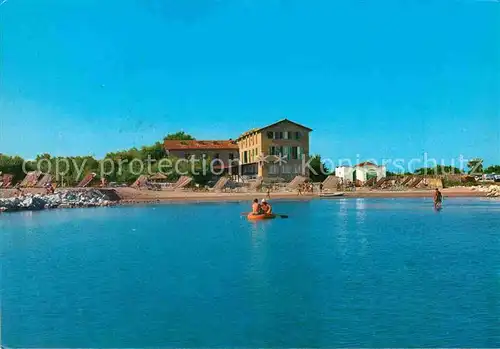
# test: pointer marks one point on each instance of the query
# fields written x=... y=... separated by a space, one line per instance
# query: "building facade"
x=361 y=172
x=277 y=150
x=224 y=150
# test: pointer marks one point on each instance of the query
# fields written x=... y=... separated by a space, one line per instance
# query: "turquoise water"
x=337 y=273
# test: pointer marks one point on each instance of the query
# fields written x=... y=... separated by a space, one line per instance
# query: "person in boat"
x=256 y=207
x=266 y=207
x=438 y=198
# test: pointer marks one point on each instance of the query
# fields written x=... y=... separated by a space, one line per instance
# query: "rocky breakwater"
x=60 y=199
x=492 y=191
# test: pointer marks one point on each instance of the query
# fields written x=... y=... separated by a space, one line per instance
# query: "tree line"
x=114 y=172
x=80 y=166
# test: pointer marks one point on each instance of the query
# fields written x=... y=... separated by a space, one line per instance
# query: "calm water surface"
x=350 y=272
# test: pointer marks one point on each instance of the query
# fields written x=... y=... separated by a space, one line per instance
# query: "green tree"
x=156 y=151
x=438 y=170
x=14 y=165
x=181 y=135
x=318 y=170
x=42 y=156
x=475 y=166
x=493 y=169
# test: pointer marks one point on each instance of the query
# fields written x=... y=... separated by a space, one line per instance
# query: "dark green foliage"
x=121 y=166
x=13 y=165
x=393 y=174
x=493 y=169
x=438 y=170
x=181 y=135
x=318 y=170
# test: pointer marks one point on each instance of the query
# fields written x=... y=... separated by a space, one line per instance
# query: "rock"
x=493 y=191
x=63 y=199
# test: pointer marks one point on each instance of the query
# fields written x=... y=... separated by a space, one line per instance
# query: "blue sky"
x=374 y=79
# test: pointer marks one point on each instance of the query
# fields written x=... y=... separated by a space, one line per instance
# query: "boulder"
x=63 y=199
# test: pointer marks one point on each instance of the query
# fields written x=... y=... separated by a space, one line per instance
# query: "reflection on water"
x=360 y=210
x=343 y=204
x=342 y=232
x=257 y=268
x=258 y=248
x=361 y=236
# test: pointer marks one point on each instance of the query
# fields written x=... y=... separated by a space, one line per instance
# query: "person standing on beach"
x=320 y=188
x=299 y=190
x=438 y=199
x=268 y=191
x=48 y=187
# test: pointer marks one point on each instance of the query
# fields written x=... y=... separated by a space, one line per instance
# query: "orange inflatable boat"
x=259 y=217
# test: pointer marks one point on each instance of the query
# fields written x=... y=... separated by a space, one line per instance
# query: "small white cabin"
x=361 y=172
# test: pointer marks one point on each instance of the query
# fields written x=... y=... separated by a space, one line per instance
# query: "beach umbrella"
x=158 y=177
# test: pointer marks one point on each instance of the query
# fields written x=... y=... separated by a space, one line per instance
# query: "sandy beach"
x=130 y=195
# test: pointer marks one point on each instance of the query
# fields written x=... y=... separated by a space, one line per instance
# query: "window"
x=300 y=152
x=270 y=135
x=187 y=156
x=231 y=156
x=295 y=153
x=273 y=169
x=279 y=135
x=274 y=150
x=286 y=152
x=245 y=157
x=216 y=155
x=297 y=135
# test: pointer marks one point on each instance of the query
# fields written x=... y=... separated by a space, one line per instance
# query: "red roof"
x=366 y=163
x=193 y=145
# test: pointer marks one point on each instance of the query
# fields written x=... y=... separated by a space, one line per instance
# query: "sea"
x=335 y=273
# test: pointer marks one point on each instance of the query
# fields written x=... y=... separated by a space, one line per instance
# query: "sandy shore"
x=130 y=195
x=448 y=192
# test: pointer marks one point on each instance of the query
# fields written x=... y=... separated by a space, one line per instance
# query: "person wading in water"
x=438 y=199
